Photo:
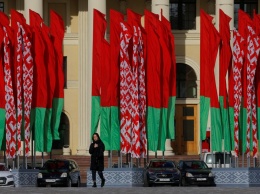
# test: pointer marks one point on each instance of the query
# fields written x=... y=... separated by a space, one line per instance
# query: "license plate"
x=201 y=179
x=1 y=181
x=164 y=179
x=50 y=180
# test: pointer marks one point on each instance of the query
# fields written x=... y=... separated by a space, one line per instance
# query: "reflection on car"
x=6 y=177
x=160 y=171
x=59 y=172
x=195 y=172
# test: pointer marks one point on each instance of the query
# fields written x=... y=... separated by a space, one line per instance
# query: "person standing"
x=96 y=150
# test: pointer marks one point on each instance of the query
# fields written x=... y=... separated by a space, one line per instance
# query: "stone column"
x=158 y=5
x=35 y=5
x=148 y=5
x=85 y=70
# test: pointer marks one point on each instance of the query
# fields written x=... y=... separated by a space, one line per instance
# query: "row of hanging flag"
x=235 y=112
x=133 y=82
x=31 y=82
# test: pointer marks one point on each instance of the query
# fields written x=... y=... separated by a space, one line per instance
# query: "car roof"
x=191 y=161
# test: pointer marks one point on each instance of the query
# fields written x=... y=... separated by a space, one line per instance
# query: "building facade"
x=78 y=18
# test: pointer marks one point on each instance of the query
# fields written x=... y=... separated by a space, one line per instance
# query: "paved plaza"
x=133 y=190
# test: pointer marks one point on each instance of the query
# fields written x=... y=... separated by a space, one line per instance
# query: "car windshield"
x=57 y=166
x=195 y=165
x=162 y=164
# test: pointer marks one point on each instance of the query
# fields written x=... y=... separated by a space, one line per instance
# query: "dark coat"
x=97 y=156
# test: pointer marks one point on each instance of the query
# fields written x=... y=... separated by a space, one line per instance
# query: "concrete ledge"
x=237 y=177
x=119 y=177
x=25 y=177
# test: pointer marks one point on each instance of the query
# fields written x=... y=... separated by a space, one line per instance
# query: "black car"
x=59 y=172
x=160 y=171
x=195 y=172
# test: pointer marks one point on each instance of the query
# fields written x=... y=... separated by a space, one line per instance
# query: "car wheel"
x=69 y=183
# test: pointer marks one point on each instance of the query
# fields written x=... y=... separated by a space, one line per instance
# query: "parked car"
x=195 y=172
x=160 y=171
x=218 y=159
x=59 y=172
x=6 y=177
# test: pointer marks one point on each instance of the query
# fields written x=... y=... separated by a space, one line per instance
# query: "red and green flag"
x=153 y=70
x=224 y=66
x=210 y=40
x=166 y=63
x=99 y=28
x=105 y=120
x=170 y=133
x=57 y=30
x=40 y=92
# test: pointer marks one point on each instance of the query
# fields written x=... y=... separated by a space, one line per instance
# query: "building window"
x=183 y=14
x=186 y=81
x=2 y=6
x=248 y=6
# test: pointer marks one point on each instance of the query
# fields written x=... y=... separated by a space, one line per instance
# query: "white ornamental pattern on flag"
x=19 y=63
x=135 y=143
x=10 y=116
x=125 y=95
x=238 y=56
x=142 y=96
x=253 y=48
x=27 y=88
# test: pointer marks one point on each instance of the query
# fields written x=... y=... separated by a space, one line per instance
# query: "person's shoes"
x=94 y=185
x=103 y=182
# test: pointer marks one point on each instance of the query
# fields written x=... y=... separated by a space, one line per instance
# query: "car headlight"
x=39 y=175
x=64 y=174
x=10 y=176
x=211 y=174
x=189 y=174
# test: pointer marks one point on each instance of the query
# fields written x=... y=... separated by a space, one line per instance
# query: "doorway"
x=186 y=132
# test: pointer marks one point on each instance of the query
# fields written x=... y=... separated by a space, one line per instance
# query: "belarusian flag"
x=10 y=117
x=115 y=19
x=170 y=133
x=39 y=85
x=209 y=47
x=105 y=120
x=49 y=59
x=125 y=89
x=205 y=22
x=138 y=86
x=238 y=58
x=57 y=31
x=2 y=87
x=224 y=65
x=99 y=28
x=153 y=70
x=165 y=80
